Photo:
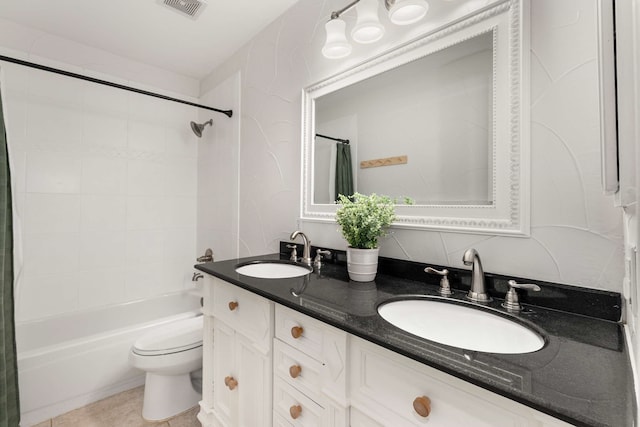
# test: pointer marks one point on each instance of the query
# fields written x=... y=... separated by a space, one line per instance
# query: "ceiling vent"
x=190 y=8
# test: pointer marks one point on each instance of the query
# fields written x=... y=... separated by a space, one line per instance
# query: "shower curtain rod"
x=344 y=141
x=228 y=113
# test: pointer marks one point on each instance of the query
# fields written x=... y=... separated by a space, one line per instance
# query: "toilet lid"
x=173 y=337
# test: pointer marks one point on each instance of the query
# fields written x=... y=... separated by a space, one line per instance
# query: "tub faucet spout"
x=478 y=291
x=306 y=251
x=207 y=257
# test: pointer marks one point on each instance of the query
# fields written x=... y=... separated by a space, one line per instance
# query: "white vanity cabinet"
x=238 y=372
x=267 y=365
x=310 y=362
x=390 y=390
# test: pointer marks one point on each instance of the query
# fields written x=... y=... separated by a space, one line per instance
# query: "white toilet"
x=169 y=354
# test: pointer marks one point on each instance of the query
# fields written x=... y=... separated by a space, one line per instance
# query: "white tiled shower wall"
x=105 y=191
x=576 y=231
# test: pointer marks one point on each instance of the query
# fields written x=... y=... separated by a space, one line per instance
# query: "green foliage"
x=363 y=219
x=408 y=200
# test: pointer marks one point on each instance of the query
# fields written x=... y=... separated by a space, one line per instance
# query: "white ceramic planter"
x=362 y=264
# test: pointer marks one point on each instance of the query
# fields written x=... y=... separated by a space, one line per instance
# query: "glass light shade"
x=405 y=12
x=368 y=28
x=336 y=45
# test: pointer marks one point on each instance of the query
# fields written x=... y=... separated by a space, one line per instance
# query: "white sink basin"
x=461 y=326
x=273 y=269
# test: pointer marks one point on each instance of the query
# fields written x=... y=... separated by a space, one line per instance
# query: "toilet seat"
x=179 y=336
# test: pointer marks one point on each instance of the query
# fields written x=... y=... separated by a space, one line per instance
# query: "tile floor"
x=122 y=410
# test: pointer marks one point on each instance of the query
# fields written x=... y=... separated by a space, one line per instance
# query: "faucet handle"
x=317 y=261
x=530 y=286
x=511 y=300
x=294 y=253
x=445 y=288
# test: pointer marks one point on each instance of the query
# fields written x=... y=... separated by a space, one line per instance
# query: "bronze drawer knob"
x=422 y=406
x=295 y=371
x=296 y=331
x=231 y=382
x=295 y=411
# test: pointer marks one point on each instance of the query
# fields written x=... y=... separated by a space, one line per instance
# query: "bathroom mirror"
x=442 y=120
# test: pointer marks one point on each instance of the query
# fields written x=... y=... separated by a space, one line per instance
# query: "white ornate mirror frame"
x=509 y=212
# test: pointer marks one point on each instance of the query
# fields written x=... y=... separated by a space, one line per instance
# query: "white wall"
x=576 y=232
x=218 y=180
x=628 y=84
x=105 y=188
x=33 y=45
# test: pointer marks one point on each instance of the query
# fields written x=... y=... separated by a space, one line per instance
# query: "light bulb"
x=405 y=12
x=368 y=28
x=336 y=45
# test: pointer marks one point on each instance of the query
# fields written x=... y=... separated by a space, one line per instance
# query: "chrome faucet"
x=207 y=257
x=478 y=291
x=306 y=251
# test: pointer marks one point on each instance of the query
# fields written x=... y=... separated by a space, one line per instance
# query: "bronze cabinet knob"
x=295 y=371
x=295 y=411
x=422 y=406
x=297 y=331
x=231 y=382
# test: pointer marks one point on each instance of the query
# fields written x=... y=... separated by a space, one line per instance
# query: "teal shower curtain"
x=9 y=399
x=344 y=172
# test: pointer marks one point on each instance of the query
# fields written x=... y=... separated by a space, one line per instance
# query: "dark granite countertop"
x=582 y=375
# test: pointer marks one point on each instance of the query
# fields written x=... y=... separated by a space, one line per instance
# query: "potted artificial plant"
x=364 y=219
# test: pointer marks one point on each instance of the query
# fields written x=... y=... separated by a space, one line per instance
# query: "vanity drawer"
x=279 y=421
x=297 y=369
x=247 y=313
x=359 y=419
x=385 y=386
x=300 y=331
x=293 y=406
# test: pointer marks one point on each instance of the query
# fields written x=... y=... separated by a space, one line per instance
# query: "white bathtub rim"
x=90 y=310
x=63 y=349
x=28 y=342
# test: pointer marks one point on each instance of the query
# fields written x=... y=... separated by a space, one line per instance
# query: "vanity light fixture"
x=368 y=28
x=336 y=46
x=406 y=12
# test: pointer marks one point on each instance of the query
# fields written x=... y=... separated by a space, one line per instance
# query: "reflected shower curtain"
x=344 y=173
x=9 y=399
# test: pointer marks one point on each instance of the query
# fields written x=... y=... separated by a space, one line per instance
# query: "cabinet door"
x=254 y=384
x=225 y=395
x=249 y=314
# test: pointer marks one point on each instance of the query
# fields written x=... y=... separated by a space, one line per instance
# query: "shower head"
x=197 y=128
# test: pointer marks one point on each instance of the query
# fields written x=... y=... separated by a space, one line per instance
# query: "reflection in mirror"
x=436 y=110
x=443 y=120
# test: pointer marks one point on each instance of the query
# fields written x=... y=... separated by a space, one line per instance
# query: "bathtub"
x=66 y=362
